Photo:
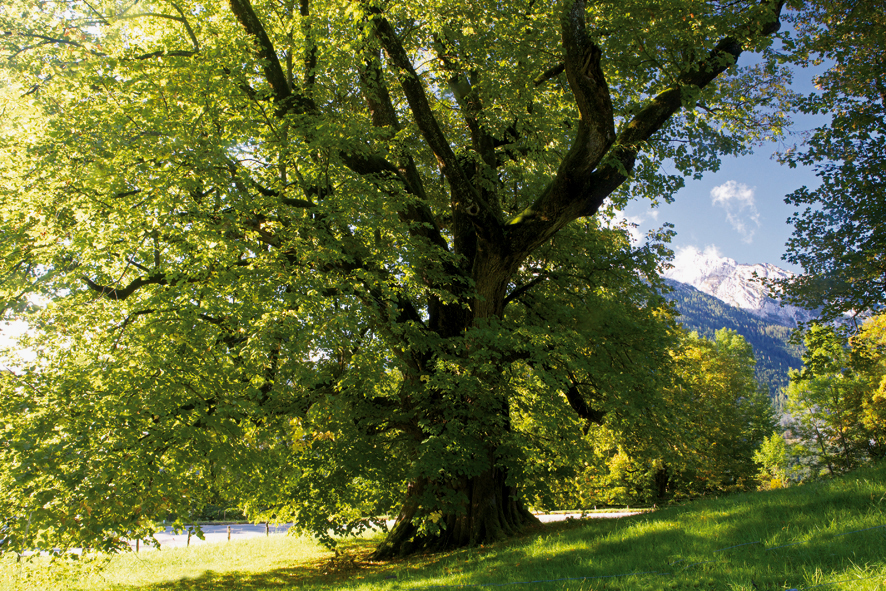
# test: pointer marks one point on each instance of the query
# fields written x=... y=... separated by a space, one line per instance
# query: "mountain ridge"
x=712 y=292
x=736 y=284
x=706 y=314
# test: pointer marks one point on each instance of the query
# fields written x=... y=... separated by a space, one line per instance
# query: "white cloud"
x=691 y=253
x=692 y=258
x=691 y=265
x=737 y=199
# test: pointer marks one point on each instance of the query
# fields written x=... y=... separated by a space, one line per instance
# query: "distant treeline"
x=706 y=314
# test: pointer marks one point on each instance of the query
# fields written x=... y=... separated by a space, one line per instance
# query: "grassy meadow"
x=829 y=535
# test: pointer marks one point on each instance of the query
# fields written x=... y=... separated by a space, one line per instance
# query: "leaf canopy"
x=838 y=236
x=329 y=256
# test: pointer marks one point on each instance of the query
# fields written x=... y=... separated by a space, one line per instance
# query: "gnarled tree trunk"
x=493 y=512
x=492 y=509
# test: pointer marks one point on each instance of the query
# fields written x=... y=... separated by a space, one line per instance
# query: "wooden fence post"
x=229 y=533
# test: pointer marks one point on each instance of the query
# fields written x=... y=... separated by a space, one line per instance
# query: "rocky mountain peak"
x=736 y=284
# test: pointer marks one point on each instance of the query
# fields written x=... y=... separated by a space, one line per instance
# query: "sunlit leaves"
x=838 y=239
x=265 y=260
x=834 y=403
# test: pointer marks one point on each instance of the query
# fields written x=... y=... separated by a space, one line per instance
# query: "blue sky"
x=739 y=210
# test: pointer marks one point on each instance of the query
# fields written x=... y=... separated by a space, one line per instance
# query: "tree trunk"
x=492 y=513
x=661 y=480
x=492 y=510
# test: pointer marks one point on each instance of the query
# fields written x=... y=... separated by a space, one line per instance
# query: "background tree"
x=728 y=413
x=834 y=405
x=774 y=460
x=839 y=239
x=711 y=417
x=869 y=357
x=326 y=253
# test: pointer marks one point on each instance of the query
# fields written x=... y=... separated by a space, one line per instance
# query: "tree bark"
x=492 y=509
x=493 y=512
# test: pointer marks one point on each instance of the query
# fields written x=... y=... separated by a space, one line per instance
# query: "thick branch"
x=549 y=74
x=651 y=118
x=518 y=292
x=376 y=94
x=580 y=188
x=466 y=198
x=469 y=102
x=121 y=294
x=310 y=61
x=166 y=53
x=113 y=293
x=580 y=405
x=589 y=87
x=57 y=40
x=274 y=74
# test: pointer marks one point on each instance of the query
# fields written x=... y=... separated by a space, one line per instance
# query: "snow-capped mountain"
x=735 y=284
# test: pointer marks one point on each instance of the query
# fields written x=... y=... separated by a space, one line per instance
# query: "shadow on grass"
x=791 y=538
x=354 y=568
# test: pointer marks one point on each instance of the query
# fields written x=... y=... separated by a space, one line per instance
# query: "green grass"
x=735 y=543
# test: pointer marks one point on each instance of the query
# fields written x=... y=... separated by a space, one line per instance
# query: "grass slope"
x=827 y=535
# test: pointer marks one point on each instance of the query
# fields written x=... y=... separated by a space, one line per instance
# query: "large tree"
x=839 y=237
x=339 y=257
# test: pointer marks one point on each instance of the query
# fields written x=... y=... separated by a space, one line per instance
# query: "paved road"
x=219 y=533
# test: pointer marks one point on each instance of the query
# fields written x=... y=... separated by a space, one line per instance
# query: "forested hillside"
x=706 y=314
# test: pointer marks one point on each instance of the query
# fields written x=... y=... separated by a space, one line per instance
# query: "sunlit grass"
x=828 y=535
x=289 y=558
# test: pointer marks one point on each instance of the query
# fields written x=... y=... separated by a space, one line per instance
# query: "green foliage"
x=726 y=413
x=838 y=240
x=775 y=353
x=710 y=419
x=340 y=260
x=869 y=348
x=774 y=461
x=835 y=404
